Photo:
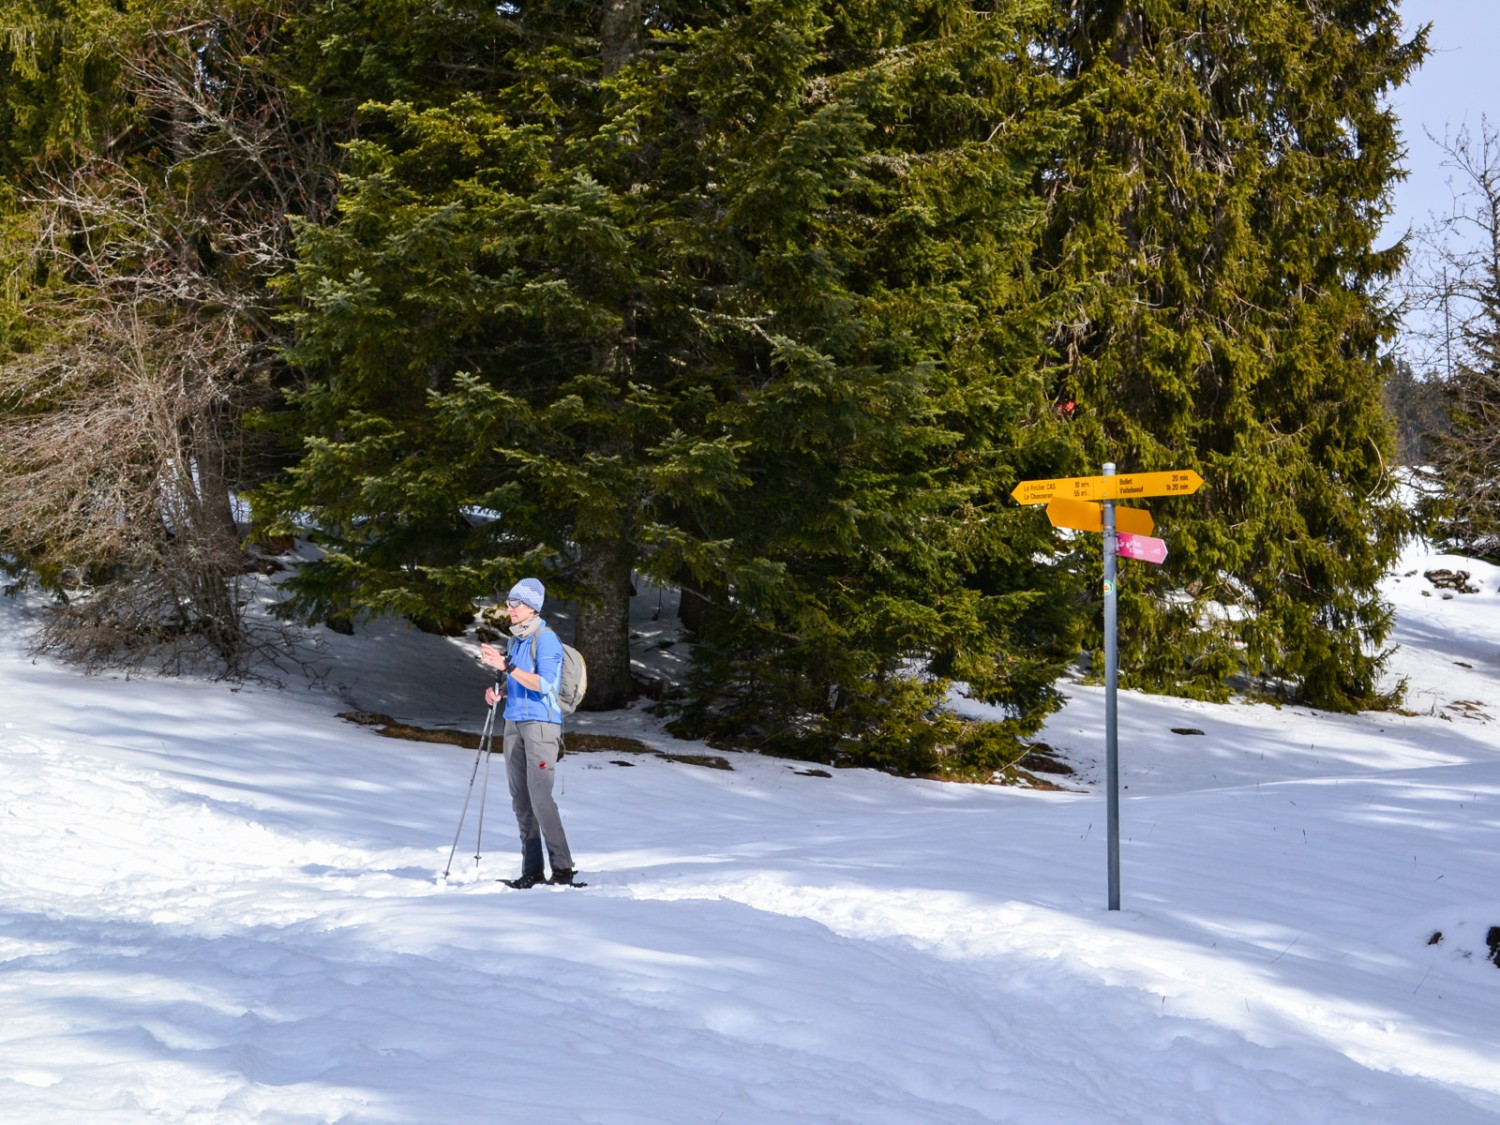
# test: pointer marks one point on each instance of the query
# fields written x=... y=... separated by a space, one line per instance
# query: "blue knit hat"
x=528 y=591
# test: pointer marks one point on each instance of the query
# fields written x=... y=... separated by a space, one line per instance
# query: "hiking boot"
x=563 y=876
x=529 y=879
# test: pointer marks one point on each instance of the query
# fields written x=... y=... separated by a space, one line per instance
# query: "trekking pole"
x=485 y=741
x=484 y=791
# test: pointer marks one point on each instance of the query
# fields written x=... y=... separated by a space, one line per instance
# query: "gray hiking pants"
x=530 y=763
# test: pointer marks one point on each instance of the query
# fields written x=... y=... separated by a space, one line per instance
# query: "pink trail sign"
x=1147 y=548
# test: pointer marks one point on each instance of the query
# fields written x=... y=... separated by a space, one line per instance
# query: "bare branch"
x=121 y=427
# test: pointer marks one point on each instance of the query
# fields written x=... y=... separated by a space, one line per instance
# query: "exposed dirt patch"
x=1054 y=766
x=1468 y=709
x=579 y=743
x=710 y=761
x=1041 y=758
x=1024 y=779
x=1029 y=770
x=619 y=744
x=389 y=727
x=614 y=743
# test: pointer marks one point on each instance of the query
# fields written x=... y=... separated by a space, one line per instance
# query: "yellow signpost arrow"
x=1174 y=482
x=1088 y=504
x=1085 y=515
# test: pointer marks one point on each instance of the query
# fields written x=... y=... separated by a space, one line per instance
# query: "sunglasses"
x=513 y=602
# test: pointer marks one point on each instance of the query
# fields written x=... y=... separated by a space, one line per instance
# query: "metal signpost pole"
x=1111 y=679
x=1088 y=504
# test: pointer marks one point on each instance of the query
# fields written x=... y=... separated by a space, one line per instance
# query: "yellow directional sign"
x=1085 y=515
x=1062 y=488
x=1174 y=482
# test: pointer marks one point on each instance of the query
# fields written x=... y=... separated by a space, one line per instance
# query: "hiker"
x=533 y=731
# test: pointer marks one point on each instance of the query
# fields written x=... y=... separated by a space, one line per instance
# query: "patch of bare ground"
x=1028 y=770
x=574 y=743
x=1468 y=709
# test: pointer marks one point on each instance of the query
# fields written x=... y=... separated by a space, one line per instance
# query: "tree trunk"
x=692 y=610
x=619 y=34
x=213 y=478
x=603 y=630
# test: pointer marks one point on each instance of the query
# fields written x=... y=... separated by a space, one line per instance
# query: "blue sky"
x=1459 y=82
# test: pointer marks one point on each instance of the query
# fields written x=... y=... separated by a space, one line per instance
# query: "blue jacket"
x=521 y=705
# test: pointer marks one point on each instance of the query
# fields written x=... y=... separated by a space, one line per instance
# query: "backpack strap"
x=549 y=692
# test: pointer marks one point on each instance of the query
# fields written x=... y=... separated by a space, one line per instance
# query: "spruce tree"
x=1419 y=409
x=743 y=303
x=871 y=338
x=473 y=407
x=1214 y=230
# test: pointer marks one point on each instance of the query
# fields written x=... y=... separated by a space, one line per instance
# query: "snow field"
x=226 y=905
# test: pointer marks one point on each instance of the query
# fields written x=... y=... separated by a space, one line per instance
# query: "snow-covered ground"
x=224 y=904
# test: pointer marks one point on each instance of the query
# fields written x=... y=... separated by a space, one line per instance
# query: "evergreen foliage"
x=476 y=402
x=773 y=300
x=875 y=328
x=1419 y=408
x=1215 y=221
x=752 y=314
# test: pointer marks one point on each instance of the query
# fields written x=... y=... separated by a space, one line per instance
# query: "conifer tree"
x=1419 y=409
x=1214 y=229
x=875 y=331
x=740 y=300
x=471 y=408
